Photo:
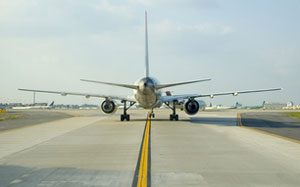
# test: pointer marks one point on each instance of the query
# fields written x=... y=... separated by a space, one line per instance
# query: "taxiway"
x=91 y=149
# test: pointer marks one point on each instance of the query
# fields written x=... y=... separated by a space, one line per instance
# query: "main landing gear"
x=173 y=116
x=126 y=116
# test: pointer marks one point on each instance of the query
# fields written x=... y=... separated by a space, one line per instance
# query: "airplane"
x=147 y=93
x=35 y=106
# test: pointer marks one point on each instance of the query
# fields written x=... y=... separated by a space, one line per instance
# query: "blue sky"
x=241 y=45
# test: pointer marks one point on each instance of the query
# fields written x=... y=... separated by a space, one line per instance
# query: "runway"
x=92 y=149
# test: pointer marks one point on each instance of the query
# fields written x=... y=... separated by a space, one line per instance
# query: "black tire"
x=171 y=117
x=176 y=117
x=128 y=117
x=122 y=117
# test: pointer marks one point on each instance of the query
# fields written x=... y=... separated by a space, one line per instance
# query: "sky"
x=240 y=45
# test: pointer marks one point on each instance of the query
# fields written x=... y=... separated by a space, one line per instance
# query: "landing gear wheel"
x=174 y=117
x=125 y=117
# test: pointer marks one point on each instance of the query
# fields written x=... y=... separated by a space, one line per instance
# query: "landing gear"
x=152 y=114
x=126 y=116
x=173 y=116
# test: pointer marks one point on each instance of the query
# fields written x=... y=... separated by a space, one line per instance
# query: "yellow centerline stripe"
x=239 y=121
x=143 y=168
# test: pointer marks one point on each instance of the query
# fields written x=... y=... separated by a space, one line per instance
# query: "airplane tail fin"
x=51 y=104
x=146 y=46
x=168 y=93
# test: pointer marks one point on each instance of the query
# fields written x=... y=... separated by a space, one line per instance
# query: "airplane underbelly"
x=146 y=101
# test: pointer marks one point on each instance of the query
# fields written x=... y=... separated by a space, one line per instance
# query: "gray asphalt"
x=274 y=122
x=31 y=117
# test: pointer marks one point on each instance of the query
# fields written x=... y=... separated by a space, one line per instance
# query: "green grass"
x=9 y=116
x=294 y=114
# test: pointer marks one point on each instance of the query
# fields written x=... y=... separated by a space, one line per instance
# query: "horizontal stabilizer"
x=131 y=86
x=160 y=86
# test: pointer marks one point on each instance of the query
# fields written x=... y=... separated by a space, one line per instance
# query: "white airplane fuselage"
x=147 y=96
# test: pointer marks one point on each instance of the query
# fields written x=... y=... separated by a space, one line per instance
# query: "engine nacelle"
x=191 y=107
x=109 y=106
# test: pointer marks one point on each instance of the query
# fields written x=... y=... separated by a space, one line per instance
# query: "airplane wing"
x=171 y=98
x=87 y=95
x=189 y=96
x=238 y=92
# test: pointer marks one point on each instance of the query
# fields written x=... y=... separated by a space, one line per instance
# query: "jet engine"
x=109 y=106
x=191 y=107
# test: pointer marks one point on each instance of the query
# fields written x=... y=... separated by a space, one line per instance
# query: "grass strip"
x=294 y=114
x=9 y=116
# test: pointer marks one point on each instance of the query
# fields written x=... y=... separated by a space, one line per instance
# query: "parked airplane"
x=35 y=106
x=148 y=93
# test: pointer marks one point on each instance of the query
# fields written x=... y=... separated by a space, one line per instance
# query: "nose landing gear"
x=152 y=115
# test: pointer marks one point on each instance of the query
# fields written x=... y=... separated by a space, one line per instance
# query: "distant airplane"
x=37 y=106
x=148 y=93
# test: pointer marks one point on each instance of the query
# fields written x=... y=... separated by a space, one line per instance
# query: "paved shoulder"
x=276 y=123
x=28 y=118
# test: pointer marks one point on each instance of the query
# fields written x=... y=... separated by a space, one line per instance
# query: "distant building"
x=274 y=106
x=291 y=106
x=88 y=106
x=62 y=106
x=3 y=106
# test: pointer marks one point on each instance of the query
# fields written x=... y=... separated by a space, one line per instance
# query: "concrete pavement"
x=206 y=150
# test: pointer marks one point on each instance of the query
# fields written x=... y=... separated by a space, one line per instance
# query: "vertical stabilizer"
x=146 y=46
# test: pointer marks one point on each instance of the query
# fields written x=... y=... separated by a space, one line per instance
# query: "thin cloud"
x=167 y=26
x=199 y=4
x=50 y=44
x=115 y=9
x=285 y=61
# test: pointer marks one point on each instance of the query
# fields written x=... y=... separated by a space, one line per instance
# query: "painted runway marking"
x=239 y=119
x=142 y=175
